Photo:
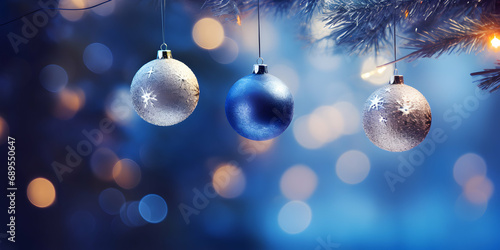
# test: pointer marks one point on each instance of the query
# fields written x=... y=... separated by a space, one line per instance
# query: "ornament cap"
x=164 y=54
x=397 y=79
x=259 y=69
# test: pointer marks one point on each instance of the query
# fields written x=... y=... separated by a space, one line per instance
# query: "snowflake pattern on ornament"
x=405 y=106
x=148 y=97
x=150 y=72
x=382 y=120
x=387 y=90
x=376 y=103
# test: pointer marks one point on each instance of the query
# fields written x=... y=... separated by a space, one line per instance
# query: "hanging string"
x=258 y=29
x=162 y=6
x=395 y=48
x=40 y=9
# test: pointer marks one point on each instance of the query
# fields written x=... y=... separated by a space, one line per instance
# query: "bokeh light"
x=153 y=208
x=111 y=200
x=323 y=61
x=326 y=124
x=130 y=215
x=495 y=42
x=288 y=75
x=41 y=192
x=468 y=166
x=374 y=75
x=4 y=130
x=298 y=182
x=294 y=217
x=53 y=78
x=269 y=35
x=352 y=167
x=252 y=146
x=478 y=189
x=208 y=33
x=303 y=135
x=469 y=211
x=69 y=102
x=103 y=10
x=119 y=106
x=351 y=117
x=126 y=173
x=102 y=162
x=318 y=29
x=72 y=15
x=229 y=181
x=98 y=58
x=226 y=53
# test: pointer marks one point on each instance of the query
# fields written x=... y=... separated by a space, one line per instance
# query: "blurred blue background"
x=198 y=185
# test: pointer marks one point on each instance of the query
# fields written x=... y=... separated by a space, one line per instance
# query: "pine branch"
x=359 y=26
x=491 y=78
x=470 y=35
x=303 y=9
x=229 y=8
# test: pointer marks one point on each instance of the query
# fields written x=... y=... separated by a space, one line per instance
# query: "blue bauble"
x=259 y=106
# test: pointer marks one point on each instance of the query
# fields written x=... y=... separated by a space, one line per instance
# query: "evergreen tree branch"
x=303 y=9
x=229 y=8
x=491 y=78
x=467 y=36
x=359 y=26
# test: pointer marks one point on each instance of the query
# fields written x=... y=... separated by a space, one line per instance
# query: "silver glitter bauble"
x=164 y=91
x=396 y=117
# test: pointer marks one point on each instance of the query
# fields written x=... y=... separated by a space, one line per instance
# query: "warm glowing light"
x=127 y=173
x=478 y=189
x=4 y=130
x=298 y=182
x=208 y=33
x=350 y=116
x=238 y=20
x=229 y=181
x=255 y=146
x=41 y=192
x=352 y=167
x=72 y=4
x=377 y=75
x=495 y=42
x=69 y=103
x=326 y=124
x=303 y=135
x=468 y=166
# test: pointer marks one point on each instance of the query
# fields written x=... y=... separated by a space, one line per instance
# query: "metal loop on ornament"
x=260 y=60
x=163 y=44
